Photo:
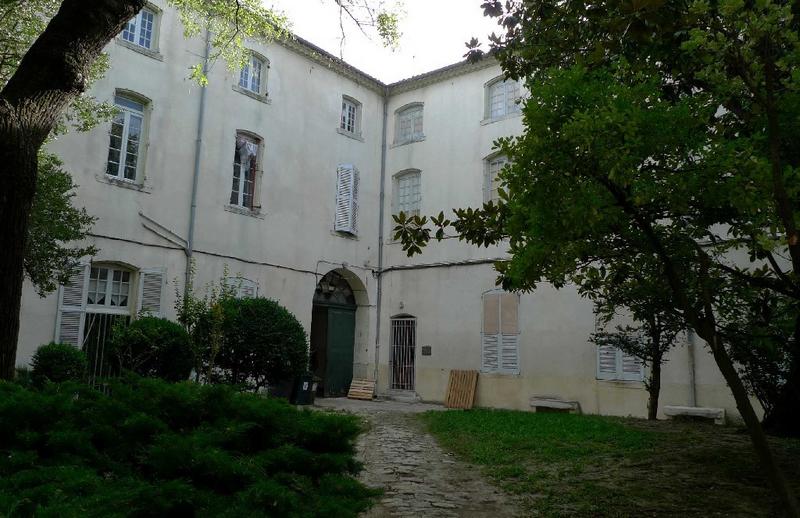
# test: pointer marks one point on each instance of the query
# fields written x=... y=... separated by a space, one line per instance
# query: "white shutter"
x=346 y=217
x=490 y=360
x=631 y=368
x=509 y=354
x=500 y=333
x=244 y=288
x=72 y=307
x=607 y=362
x=151 y=290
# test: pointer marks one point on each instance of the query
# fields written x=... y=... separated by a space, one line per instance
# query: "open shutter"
x=346 y=216
x=631 y=367
x=151 y=290
x=607 y=362
x=72 y=307
x=509 y=333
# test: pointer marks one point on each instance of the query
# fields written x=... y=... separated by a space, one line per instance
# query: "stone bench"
x=552 y=403
x=717 y=414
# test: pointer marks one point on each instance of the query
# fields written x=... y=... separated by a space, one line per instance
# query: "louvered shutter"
x=631 y=367
x=607 y=362
x=72 y=307
x=490 y=333
x=346 y=217
x=500 y=333
x=151 y=291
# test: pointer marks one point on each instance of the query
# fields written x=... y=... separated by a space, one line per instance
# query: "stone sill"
x=420 y=138
x=154 y=54
x=125 y=184
x=264 y=98
x=484 y=122
x=235 y=209
x=354 y=136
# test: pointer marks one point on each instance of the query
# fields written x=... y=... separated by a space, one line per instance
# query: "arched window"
x=492 y=167
x=408 y=192
x=408 y=126
x=253 y=75
x=126 y=145
x=350 y=121
x=502 y=98
x=246 y=171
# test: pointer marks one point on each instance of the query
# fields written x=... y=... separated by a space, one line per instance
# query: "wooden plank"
x=361 y=389
x=461 y=389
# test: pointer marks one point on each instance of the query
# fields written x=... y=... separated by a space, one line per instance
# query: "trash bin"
x=303 y=390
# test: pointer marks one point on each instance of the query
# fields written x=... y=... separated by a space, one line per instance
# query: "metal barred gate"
x=404 y=340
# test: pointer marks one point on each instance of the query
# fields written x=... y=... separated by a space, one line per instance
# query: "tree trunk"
x=654 y=388
x=784 y=417
x=52 y=73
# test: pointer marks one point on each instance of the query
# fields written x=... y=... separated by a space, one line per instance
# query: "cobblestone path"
x=417 y=476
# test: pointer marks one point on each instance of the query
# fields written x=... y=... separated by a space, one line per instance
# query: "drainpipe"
x=380 y=235
x=196 y=176
x=692 y=385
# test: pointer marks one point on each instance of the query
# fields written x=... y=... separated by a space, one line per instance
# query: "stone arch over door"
x=338 y=298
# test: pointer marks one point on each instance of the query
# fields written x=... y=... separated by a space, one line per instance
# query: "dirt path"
x=417 y=476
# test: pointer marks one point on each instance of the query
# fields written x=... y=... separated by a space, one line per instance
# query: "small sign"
x=426 y=350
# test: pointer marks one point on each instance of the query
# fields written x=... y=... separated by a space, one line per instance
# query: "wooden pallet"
x=361 y=389
x=461 y=389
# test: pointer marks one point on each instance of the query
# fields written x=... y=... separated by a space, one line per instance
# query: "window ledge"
x=141 y=50
x=125 y=184
x=420 y=138
x=345 y=235
x=264 y=98
x=349 y=134
x=484 y=122
x=255 y=213
x=627 y=384
x=499 y=374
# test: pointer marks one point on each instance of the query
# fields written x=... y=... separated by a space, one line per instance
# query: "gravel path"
x=417 y=476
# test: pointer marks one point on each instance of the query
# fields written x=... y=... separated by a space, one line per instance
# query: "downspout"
x=692 y=383
x=196 y=176
x=380 y=235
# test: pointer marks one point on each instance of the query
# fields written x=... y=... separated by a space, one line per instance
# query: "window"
x=500 y=332
x=613 y=364
x=252 y=75
x=140 y=29
x=242 y=288
x=245 y=168
x=409 y=124
x=351 y=116
x=501 y=98
x=124 y=148
x=346 y=212
x=407 y=193
x=492 y=181
x=108 y=287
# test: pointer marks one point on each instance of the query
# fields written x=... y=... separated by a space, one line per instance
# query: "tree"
x=43 y=78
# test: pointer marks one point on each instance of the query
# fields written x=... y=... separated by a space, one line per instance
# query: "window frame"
x=619 y=373
x=413 y=136
x=257 y=175
x=502 y=338
x=488 y=94
x=127 y=113
x=262 y=93
x=155 y=31
x=106 y=307
x=358 y=110
x=489 y=176
x=397 y=179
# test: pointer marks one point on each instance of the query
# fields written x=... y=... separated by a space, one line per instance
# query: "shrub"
x=57 y=363
x=153 y=448
x=263 y=343
x=153 y=347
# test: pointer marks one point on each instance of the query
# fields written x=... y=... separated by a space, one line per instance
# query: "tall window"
x=500 y=332
x=245 y=167
x=409 y=124
x=351 y=116
x=408 y=193
x=502 y=96
x=108 y=287
x=252 y=74
x=124 y=148
x=139 y=29
x=492 y=182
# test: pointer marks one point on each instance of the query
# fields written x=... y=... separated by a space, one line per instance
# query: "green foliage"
x=57 y=363
x=54 y=222
x=150 y=448
x=264 y=343
x=153 y=347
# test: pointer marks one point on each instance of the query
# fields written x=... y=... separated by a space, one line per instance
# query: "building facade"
x=286 y=175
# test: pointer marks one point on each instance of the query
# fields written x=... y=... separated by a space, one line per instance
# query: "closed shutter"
x=243 y=288
x=631 y=368
x=607 y=362
x=346 y=217
x=151 y=291
x=72 y=307
x=500 y=333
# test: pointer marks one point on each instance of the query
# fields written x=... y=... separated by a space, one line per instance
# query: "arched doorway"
x=333 y=323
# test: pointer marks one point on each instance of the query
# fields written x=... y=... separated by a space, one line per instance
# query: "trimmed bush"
x=264 y=344
x=153 y=347
x=151 y=448
x=57 y=363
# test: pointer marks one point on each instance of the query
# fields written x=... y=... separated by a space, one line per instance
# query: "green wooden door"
x=341 y=339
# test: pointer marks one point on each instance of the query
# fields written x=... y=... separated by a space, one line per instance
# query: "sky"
x=434 y=33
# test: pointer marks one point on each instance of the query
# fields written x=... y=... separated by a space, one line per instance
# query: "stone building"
x=288 y=173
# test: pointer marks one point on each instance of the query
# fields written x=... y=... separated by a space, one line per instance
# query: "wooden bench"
x=556 y=404
x=717 y=414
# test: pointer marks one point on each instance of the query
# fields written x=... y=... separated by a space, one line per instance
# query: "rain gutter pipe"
x=380 y=235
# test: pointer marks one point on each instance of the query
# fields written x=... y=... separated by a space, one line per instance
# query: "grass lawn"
x=570 y=465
